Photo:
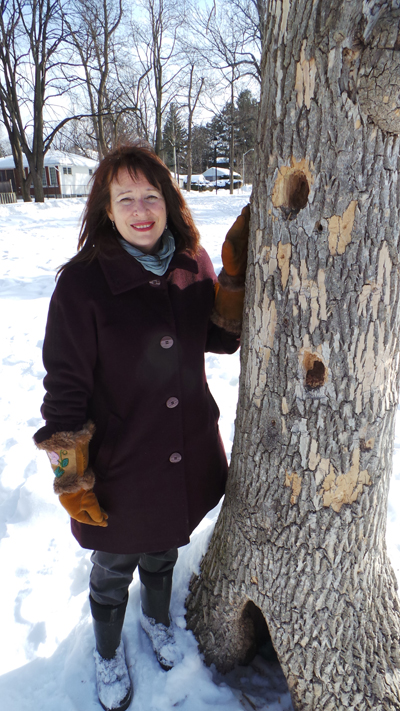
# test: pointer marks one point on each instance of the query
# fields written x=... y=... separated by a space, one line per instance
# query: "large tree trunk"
x=24 y=182
x=301 y=535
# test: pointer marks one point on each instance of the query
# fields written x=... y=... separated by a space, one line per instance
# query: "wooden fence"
x=6 y=193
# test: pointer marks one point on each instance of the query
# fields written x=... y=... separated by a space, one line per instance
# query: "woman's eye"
x=152 y=197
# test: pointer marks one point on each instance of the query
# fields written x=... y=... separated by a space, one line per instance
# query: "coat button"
x=172 y=402
x=175 y=458
x=155 y=282
x=166 y=342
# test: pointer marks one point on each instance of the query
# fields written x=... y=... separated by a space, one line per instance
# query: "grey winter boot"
x=155 y=595
x=114 y=687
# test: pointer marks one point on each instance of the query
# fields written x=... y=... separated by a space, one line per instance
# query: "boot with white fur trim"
x=163 y=641
x=155 y=596
x=114 y=687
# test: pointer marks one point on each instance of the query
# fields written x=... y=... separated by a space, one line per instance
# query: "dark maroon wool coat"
x=125 y=348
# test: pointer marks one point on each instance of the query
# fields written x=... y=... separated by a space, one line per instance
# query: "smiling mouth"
x=143 y=226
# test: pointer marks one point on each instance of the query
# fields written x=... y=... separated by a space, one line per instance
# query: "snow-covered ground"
x=46 y=639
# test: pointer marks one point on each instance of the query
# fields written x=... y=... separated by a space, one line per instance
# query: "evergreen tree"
x=174 y=140
x=202 y=148
x=245 y=121
x=246 y=112
x=244 y=117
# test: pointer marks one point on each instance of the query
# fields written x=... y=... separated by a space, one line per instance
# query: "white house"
x=198 y=181
x=222 y=175
x=64 y=174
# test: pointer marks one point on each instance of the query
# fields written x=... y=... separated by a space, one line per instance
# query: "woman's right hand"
x=83 y=506
x=68 y=453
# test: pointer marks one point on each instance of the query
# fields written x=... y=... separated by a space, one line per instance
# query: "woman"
x=131 y=427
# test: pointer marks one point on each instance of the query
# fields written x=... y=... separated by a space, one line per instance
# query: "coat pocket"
x=108 y=445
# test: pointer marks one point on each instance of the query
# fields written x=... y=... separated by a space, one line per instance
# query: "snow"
x=46 y=659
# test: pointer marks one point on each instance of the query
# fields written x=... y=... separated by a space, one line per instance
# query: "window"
x=44 y=178
x=53 y=176
x=90 y=171
x=69 y=171
x=64 y=170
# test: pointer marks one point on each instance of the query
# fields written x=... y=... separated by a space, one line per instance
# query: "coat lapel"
x=123 y=272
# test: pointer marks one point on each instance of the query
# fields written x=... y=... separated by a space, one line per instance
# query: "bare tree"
x=33 y=75
x=92 y=26
x=156 y=41
x=227 y=47
x=9 y=100
x=16 y=150
x=251 y=17
x=299 y=552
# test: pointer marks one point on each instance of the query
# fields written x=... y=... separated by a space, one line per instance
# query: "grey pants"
x=112 y=573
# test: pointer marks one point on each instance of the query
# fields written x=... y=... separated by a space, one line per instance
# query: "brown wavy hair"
x=97 y=235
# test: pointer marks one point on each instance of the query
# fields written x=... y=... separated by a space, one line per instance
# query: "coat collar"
x=123 y=272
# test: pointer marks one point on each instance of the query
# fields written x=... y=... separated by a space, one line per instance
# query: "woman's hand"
x=68 y=453
x=234 y=248
x=84 y=507
x=230 y=288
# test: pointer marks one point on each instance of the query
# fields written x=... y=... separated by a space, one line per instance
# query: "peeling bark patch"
x=314 y=457
x=316 y=372
x=305 y=79
x=367 y=445
x=344 y=488
x=340 y=229
x=284 y=254
x=292 y=187
x=293 y=480
x=284 y=18
x=322 y=294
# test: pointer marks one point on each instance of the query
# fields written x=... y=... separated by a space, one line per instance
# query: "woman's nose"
x=139 y=207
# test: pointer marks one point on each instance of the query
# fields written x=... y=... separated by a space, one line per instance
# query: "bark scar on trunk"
x=305 y=78
x=340 y=229
x=344 y=488
x=293 y=480
x=292 y=187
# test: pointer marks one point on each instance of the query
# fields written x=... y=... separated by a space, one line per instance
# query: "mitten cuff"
x=230 y=325
x=231 y=283
x=68 y=440
x=70 y=483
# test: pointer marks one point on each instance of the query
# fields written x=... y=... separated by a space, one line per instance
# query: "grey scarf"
x=157 y=263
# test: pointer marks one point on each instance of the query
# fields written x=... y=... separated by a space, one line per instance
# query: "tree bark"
x=301 y=534
x=192 y=103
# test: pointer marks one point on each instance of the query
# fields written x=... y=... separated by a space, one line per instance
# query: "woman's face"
x=138 y=210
